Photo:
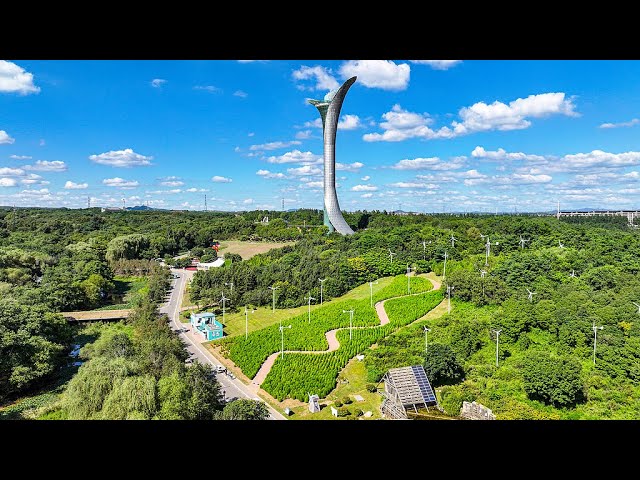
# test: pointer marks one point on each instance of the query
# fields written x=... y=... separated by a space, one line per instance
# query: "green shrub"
x=343 y=412
x=347 y=400
x=359 y=412
x=337 y=403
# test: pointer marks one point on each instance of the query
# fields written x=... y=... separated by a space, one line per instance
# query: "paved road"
x=232 y=388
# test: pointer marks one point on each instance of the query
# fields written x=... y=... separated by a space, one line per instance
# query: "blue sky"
x=423 y=135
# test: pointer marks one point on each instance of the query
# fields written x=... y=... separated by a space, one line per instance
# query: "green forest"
x=582 y=272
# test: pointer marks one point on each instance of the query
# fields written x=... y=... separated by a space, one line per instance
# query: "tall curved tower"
x=329 y=109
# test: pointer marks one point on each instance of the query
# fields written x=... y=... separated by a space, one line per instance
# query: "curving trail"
x=332 y=340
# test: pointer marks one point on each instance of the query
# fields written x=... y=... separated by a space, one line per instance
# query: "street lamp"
x=273 y=290
x=497 y=332
x=595 y=338
x=444 y=270
x=449 y=288
x=246 y=321
x=309 y=298
x=426 y=340
x=321 y=280
x=224 y=299
x=409 y=270
x=231 y=285
x=350 y=321
x=371 y=284
x=281 y=328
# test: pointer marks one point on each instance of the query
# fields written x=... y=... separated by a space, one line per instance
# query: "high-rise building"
x=329 y=109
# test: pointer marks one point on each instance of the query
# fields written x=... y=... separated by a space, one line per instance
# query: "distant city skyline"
x=417 y=135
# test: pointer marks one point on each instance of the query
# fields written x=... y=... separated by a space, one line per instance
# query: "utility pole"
x=444 y=270
x=409 y=270
x=449 y=288
x=309 y=298
x=273 y=290
x=595 y=339
x=224 y=299
x=497 y=332
x=371 y=284
x=88 y=202
x=124 y=205
x=281 y=328
x=350 y=321
x=246 y=321
x=205 y=202
x=321 y=280
x=426 y=340
x=283 y=204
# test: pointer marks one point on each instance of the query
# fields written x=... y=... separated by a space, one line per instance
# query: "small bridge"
x=96 y=315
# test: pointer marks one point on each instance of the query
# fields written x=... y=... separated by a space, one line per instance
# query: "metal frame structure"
x=406 y=387
x=329 y=109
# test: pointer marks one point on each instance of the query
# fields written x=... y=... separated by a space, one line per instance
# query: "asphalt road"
x=232 y=388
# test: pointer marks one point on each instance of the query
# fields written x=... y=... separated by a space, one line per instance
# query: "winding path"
x=332 y=340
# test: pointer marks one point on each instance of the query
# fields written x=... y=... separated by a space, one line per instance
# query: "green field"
x=265 y=316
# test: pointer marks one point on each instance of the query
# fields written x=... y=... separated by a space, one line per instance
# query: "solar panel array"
x=423 y=384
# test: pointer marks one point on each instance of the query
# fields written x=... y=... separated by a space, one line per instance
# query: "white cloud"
x=14 y=79
x=158 y=82
x=349 y=122
x=316 y=123
x=75 y=186
x=316 y=184
x=501 y=154
x=121 y=158
x=322 y=77
x=248 y=201
x=42 y=191
x=8 y=182
x=268 y=174
x=598 y=158
x=250 y=134
x=46 y=166
x=296 y=156
x=366 y=178
x=5 y=138
x=304 y=170
x=349 y=167
x=20 y=157
x=383 y=74
x=171 y=181
x=240 y=93
x=11 y=172
x=193 y=189
x=364 y=188
x=303 y=134
x=630 y=123
x=366 y=195
x=438 y=64
x=42 y=143
x=274 y=145
x=120 y=182
x=431 y=163
x=506 y=180
x=414 y=185
x=208 y=88
x=220 y=179
x=401 y=125
x=33 y=179
x=173 y=191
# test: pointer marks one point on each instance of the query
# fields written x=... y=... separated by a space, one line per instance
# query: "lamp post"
x=482 y=274
x=246 y=321
x=350 y=321
x=409 y=270
x=321 y=280
x=371 y=284
x=281 y=328
x=426 y=340
x=229 y=284
x=449 y=288
x=497 y=332
x=309 y=298
x=224 y=299
x=273 y=290
x=391 y=254
x=444 y=270
x=595 y=339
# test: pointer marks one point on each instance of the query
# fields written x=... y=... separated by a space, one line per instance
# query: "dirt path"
x=332 y=340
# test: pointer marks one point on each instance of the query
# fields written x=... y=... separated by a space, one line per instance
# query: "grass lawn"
x=265 y=316
x=248 y=249
x=128 y=289
x=355 y=374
